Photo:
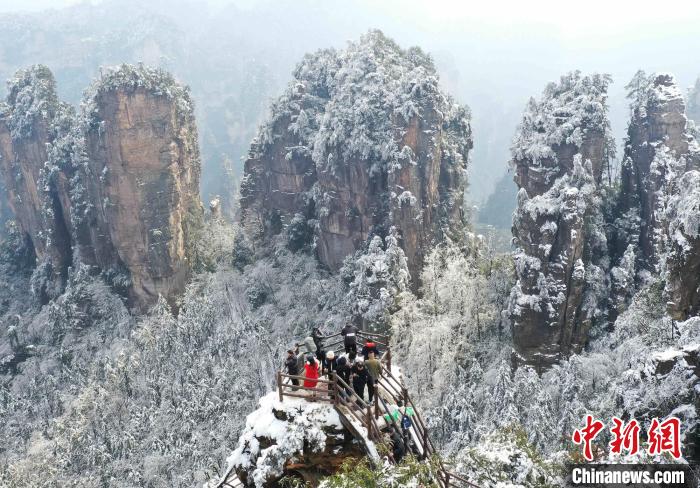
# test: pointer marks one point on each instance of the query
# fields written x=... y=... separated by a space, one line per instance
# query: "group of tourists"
x=358 y=372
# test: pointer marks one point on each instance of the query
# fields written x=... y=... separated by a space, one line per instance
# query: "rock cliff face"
x=116 y=188
x=37 y=198
x=5 y=210
x=683 y=260
x=362 y=140
x=583 y=249
x=656 y=136
x=559 y=155
x=142 y=176
x=659 y=196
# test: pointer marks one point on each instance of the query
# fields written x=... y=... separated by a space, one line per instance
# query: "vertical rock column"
x=143 y=182
x=38 y=201
x=656 y=141
x=659 y=182
x=361 y=141
x=559 y=153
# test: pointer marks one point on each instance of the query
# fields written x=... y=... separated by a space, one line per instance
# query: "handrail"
x=335 y=391
x=301 y=377
x=365 y=332
x=451 y=474
x=339 y=393
x=370 y=423
x=341 y=382
x=419 y=425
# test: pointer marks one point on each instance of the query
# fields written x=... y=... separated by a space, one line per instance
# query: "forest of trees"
x=94 y=394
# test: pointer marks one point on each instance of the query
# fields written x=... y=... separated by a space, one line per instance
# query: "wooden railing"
x=337 y=392
x=285 y=387
x=230 y=483
x=427 y=448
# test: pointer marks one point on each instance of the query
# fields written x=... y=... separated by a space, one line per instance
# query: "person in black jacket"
x=359 y=378
x=349 y=333
x=318 y=342
x=398 y=447
x=343 y=369
x=292 y=367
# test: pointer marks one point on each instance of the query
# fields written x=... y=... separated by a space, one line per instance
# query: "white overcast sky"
x=603 y=22
x=493 y=54
x=576 y=18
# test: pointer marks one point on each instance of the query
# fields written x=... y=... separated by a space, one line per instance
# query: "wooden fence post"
x=388 y=356
x=369 y=422
x=334 y=387
x=279 y=384
x=376 y=399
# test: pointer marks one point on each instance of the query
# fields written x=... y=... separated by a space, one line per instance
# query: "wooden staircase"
x=371 y=424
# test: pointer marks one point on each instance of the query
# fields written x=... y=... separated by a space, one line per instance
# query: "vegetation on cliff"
x=347 y=105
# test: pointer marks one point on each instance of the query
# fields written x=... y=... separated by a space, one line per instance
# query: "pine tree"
x=502 y=411
x=535 y=407
x=378 y=276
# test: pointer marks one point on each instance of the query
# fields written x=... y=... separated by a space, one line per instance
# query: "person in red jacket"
x=311 y=372
x=369 y=347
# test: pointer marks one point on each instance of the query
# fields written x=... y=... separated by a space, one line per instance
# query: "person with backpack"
x=349 y=333
x=343 y=369
x=359 y=378
x=292 y=366
x=311 y=372
x=306 y=347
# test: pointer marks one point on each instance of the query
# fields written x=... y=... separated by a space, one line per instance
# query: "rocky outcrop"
x=580 y=258
x=293 y=439
x=656 y=137
x=683 y=259
x=559 y=155
x=116 y=188
x=659 y=197
x=362 y=140
x=38 y=198
x=142 y=177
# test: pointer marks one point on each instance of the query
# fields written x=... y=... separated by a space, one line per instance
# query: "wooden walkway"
x=370 y=424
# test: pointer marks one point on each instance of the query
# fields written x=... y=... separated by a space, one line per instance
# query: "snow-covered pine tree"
x=501 y=410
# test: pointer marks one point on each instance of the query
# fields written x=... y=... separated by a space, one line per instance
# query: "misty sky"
x=492 y=55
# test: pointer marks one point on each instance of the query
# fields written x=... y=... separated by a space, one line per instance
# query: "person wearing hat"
x=370 y=347
x=330 y=363
x=292 y=366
